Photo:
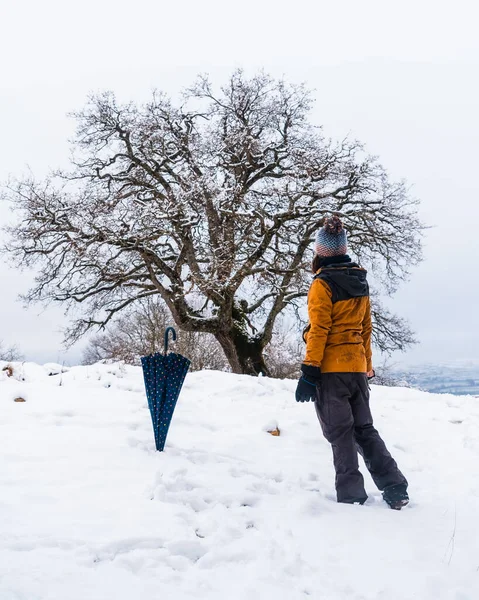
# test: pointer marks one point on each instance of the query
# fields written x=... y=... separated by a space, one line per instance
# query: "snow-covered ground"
x=89 y=511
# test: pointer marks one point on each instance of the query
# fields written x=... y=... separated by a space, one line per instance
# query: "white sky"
x=403 y=79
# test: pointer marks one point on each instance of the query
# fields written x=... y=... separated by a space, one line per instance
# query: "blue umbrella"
x=164 y=375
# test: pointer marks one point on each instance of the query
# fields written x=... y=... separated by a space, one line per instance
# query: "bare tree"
x=387 y=375
x=140 y=331
x=390 y=332
x=10 y=353
x=285 y=352
x=211 y=205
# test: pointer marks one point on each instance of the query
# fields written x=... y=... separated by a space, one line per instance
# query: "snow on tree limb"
x=206 y=204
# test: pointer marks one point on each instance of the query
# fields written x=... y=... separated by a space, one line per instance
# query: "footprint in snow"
x=191 y=549
x=111 y=551
x=180 y=484
x=262 y=487
x=250 y=501
x=185 y=493
x=199 y=458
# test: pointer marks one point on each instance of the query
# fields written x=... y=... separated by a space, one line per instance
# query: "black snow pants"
x=342 y=406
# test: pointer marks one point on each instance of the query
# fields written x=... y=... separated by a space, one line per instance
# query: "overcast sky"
x=401 y=77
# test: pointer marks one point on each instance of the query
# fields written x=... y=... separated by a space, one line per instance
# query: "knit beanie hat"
x=331 y=239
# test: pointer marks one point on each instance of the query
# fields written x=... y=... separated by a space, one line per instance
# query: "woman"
x=336 y=368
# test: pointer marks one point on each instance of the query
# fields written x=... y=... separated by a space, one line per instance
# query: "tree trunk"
x=244 y=354
x=226 y=342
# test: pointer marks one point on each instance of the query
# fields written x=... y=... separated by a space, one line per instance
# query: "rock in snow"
x=89 y=511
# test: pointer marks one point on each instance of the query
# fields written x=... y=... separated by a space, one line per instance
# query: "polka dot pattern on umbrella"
x=164 y=376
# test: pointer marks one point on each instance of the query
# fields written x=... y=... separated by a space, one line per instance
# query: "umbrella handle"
x=167 y=332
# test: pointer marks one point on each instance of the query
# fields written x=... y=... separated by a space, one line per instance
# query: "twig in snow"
x=453 y=538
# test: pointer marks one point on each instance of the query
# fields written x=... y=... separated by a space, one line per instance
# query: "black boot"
x=396 y=496
x=354 y=501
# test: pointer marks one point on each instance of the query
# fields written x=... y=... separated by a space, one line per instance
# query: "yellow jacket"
x=338 y=338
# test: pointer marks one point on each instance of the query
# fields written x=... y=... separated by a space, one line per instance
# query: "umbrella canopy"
x=164 y=375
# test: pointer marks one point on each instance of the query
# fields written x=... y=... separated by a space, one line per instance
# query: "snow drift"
x=88 y=509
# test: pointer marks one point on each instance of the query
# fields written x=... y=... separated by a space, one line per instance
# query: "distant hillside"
x=456 y=378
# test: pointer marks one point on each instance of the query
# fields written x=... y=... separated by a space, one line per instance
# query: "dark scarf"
x=331 y=261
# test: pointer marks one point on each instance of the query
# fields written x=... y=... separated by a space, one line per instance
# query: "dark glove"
x=309 y=380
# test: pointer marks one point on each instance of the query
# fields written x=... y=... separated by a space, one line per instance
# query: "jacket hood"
x=349 y=277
